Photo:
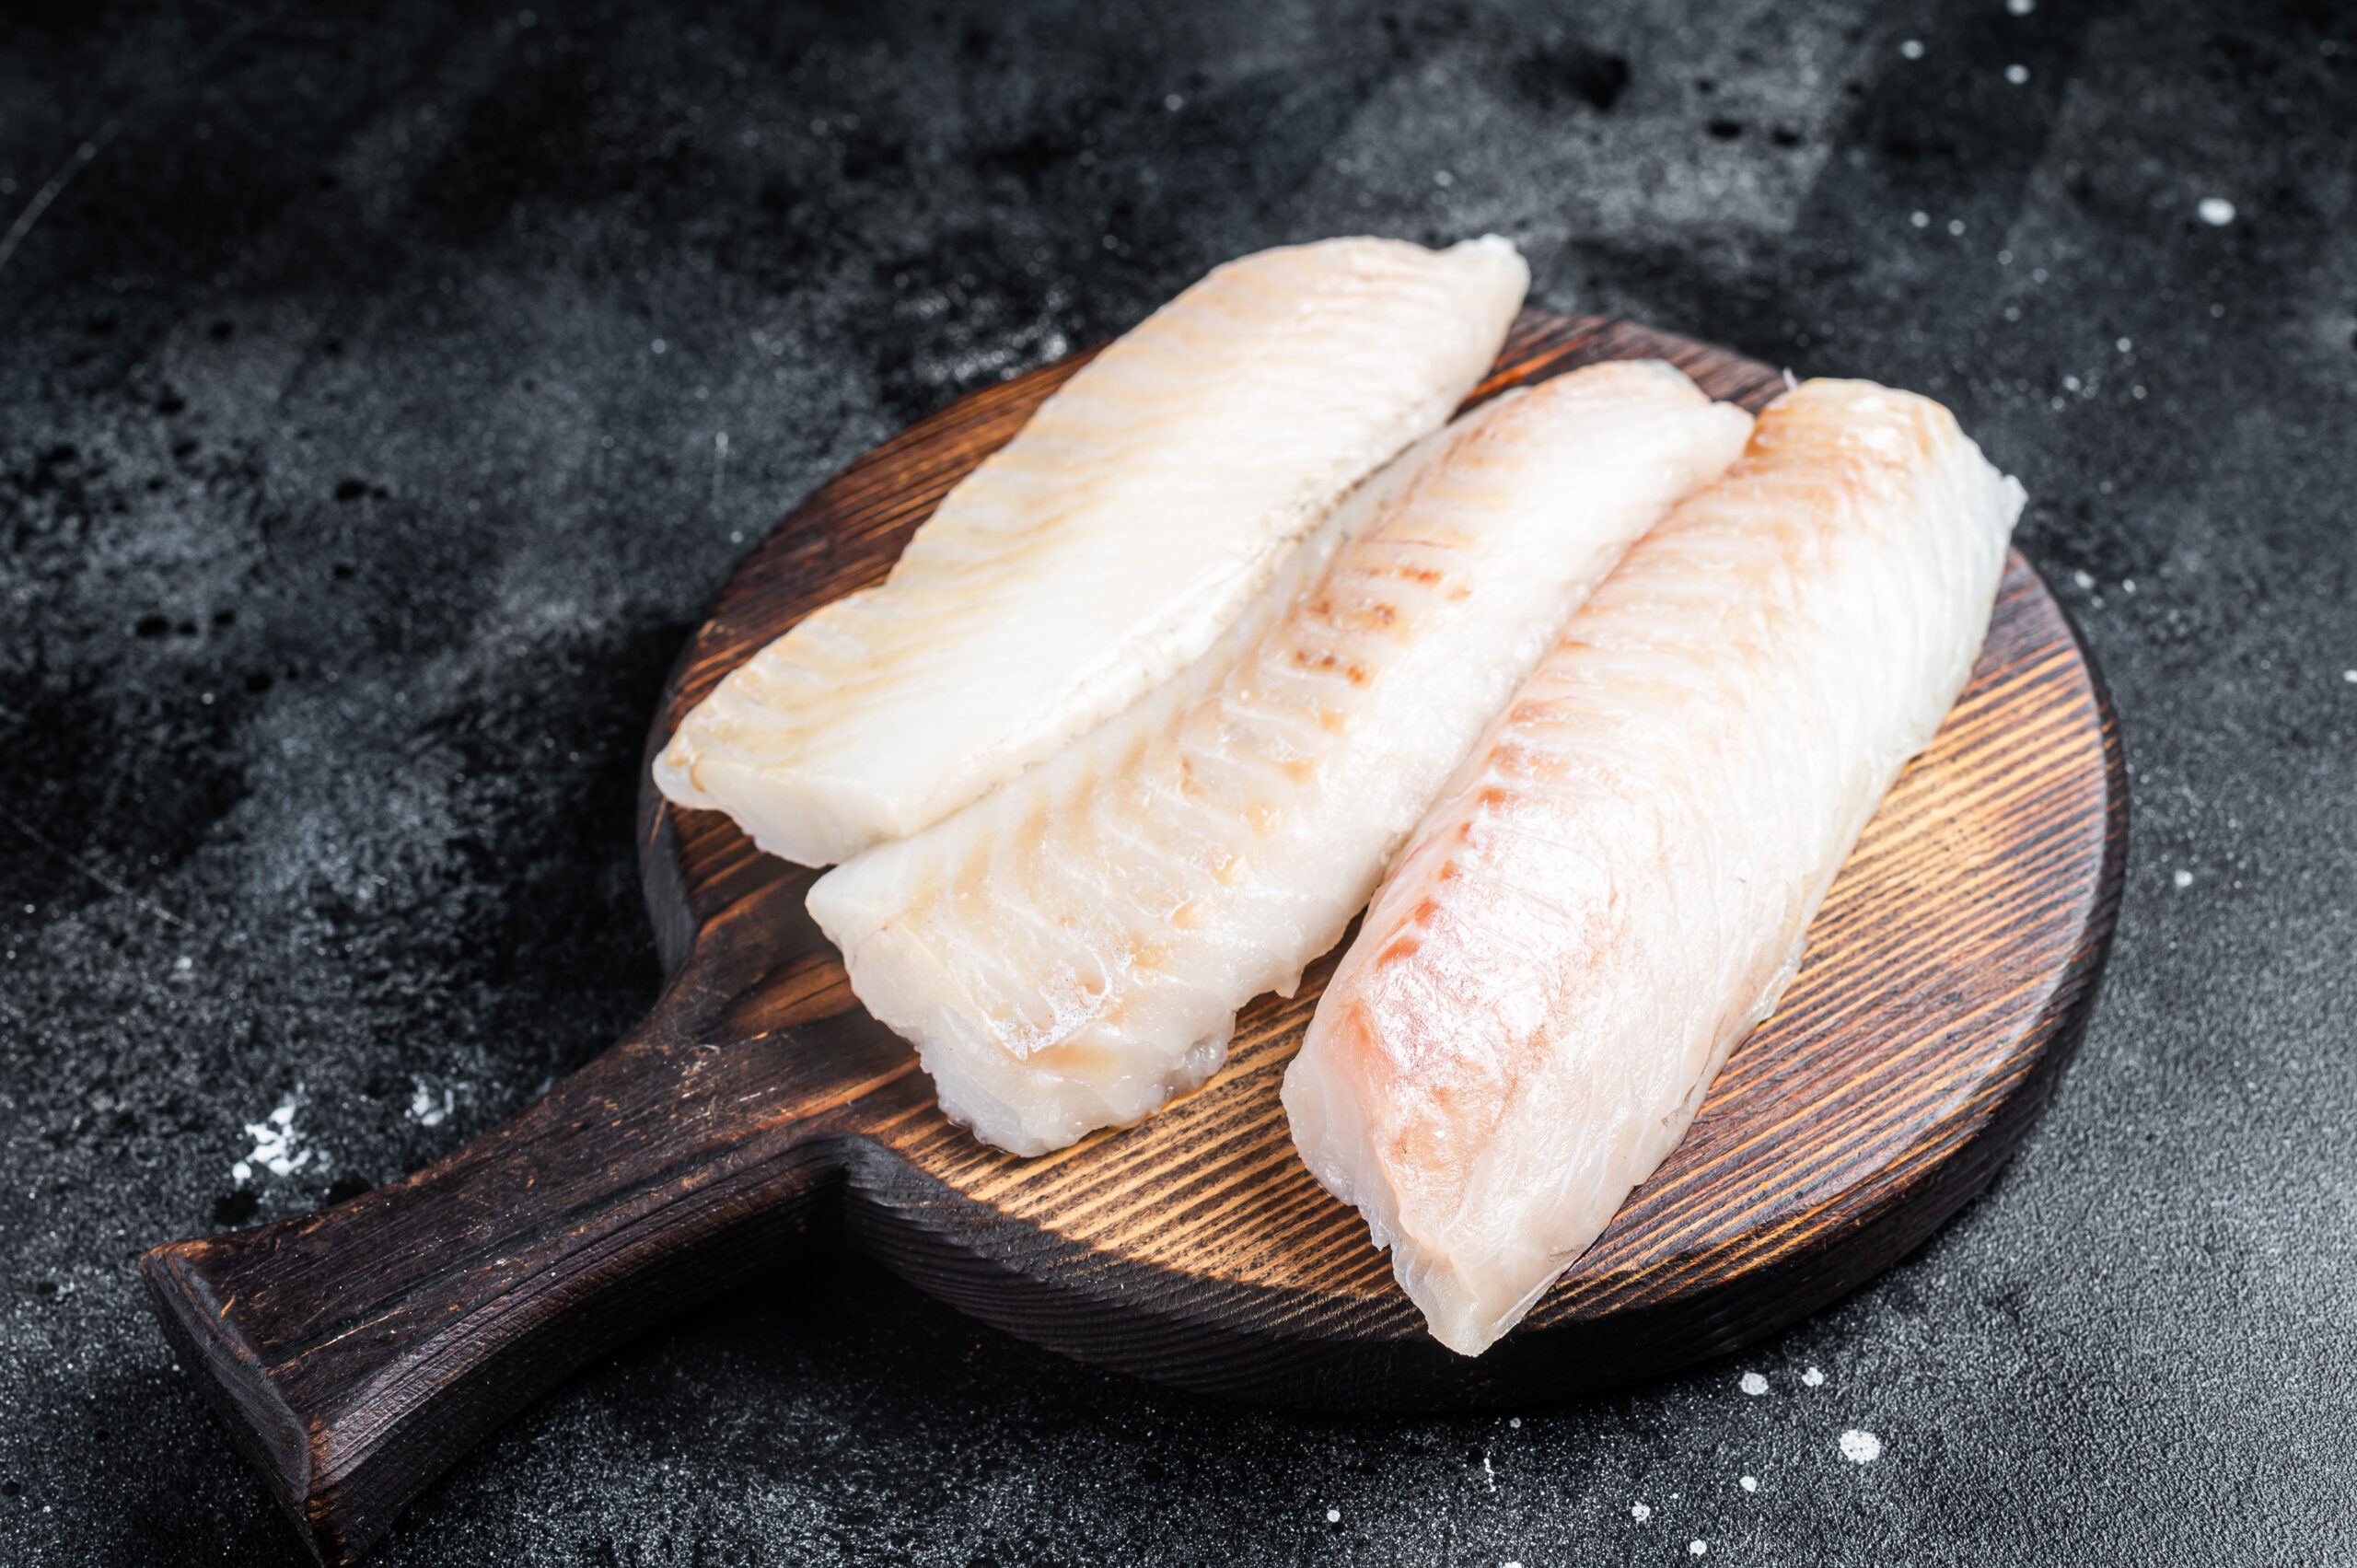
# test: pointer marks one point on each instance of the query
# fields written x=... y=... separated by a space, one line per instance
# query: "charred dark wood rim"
x=355 y=1353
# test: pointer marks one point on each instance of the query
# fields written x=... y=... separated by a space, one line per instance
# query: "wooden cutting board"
x=356 y=1352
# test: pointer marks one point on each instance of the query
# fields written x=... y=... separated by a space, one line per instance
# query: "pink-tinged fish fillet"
x=1617 y=885
x=1102 y=550
x=1070 y=950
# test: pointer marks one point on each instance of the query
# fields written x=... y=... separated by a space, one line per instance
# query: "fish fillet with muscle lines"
x=1104 y=548
x=1070 y=951
x=1618 y=885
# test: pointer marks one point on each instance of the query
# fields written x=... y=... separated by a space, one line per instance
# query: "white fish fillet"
x=1618 y=885
x=1104 y=548
x=1071 y=951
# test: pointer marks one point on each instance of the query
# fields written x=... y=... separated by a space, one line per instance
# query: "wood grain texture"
x=356 y=1352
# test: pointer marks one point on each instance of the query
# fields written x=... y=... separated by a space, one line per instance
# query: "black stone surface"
x=385 y=389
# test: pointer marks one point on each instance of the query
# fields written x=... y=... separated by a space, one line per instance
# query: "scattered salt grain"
x=1813 y=1377
x=1515 y=1422
x=1920 y=220
x=2216 y=210
x=1640 y=1513
x=2349 y=676
x=1698 y=1547
x=1912 y=49
x=273 y=1149
x=1861 y=1447
x=1753 y=1384
x=1750 y=1484
x=421 y=1109
x=1174 y=102
x=2020 y=7
x=1334 y=1515
x=2183 y=877
x=2083 y=581
x=2017 y=74
x=1956 y=228
x=2123 y=345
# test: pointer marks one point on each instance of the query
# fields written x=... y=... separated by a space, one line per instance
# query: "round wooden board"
x=355 y=1353
x=1948 y=978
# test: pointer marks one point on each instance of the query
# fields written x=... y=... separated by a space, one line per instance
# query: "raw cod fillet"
x=1104 y=548
x=1070 y=951
x=1618 y=885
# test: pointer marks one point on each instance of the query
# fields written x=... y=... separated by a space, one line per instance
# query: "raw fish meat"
x=1618 y=885
x=1103 y=548
x=1070 y=951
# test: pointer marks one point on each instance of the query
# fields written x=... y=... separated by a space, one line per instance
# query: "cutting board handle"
x=355 y=1352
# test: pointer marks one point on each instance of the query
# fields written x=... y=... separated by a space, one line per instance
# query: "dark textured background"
x=362 y=402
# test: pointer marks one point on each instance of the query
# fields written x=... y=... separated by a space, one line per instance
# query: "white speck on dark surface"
x=1749 y=1483
x=1697 y=1548
x=2017 y=74
x=424 y=1109
x=2216 y=210
x=1861 y=1447
x=1813 y=1377
x=1752 y=1383
x=277 y=1145
x=1911 y=49
x=1640 y=1512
